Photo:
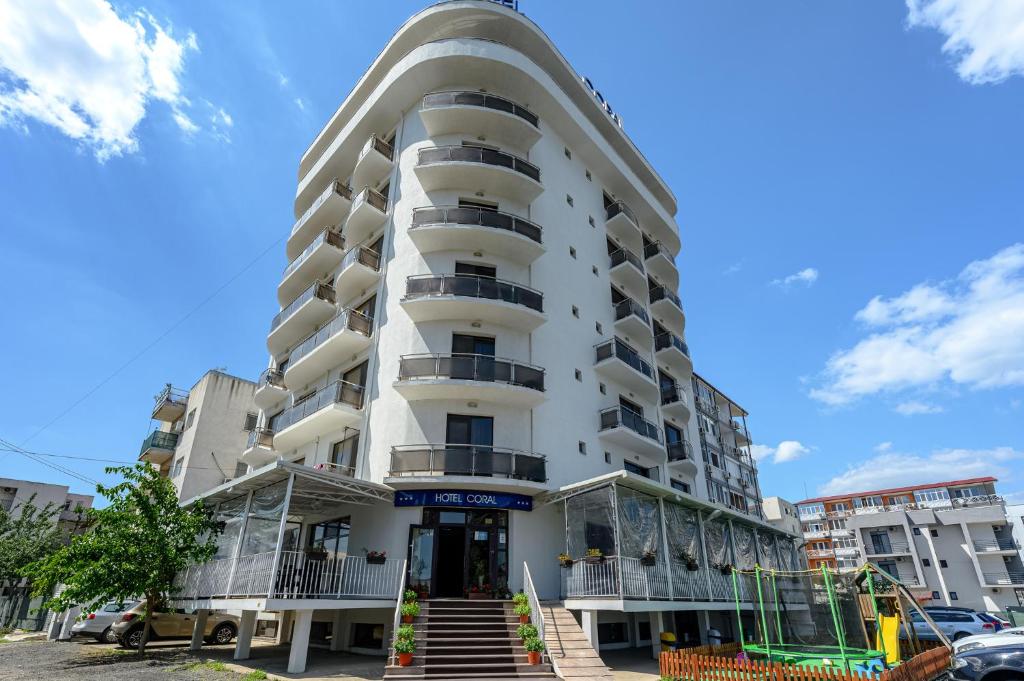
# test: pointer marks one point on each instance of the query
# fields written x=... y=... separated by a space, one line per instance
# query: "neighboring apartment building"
x=1015 y=518
x=949 y=542
x=479 y=363
x=201 y=432
x=783 y=515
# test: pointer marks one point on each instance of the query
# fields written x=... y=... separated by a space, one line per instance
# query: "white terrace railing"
x=531 y=596
x=631 y=578
x=298 y=575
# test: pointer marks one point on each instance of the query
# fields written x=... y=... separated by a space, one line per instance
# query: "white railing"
x=531 y=596
x=630 y=578
x=815 y=534
x=398 y=616
x=593 y=579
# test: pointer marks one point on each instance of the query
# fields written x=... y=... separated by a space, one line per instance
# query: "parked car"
x=1008 y=636
x=1002 y=663
x=97 y=624
x=172 y=623
x=955 y=624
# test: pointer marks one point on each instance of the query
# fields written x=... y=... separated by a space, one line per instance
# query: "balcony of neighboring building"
x=820 y=553
x=327 y=210
x=170 y=404
x=673 y=352
x=471 y=228
x=480 y=466
x=998 y=546
x=334 y=407
x=673 y=402
x=631 y=431
x=1005 y=578
x=432 y=297
x=309 y=309
x=478 y=169
x=887 y=548
x=375 y=159
x=321 y=256
x=621 y=222
x=259 y=448
x=369 y=211
x=626 y=270
x=815 y=534
x=347 y=334
x=158 y=448
x=680 y=457
x=840 y=532
x=632 y=320
x=360 y=269
x=741 y=433
x=667 y=308
x=493 y=117
x=618 y=361
x=463 y=376
x=658 y=261
x=846 y=551
x=270 y=388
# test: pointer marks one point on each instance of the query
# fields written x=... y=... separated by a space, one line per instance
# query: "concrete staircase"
x=464 y=639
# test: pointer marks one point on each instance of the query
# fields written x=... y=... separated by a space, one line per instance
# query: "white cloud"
x=84 y=70
x=806 y=276
x=985 y=37
x=787 y=450
x=733 y=268
x=913 y=407
x=883 y=446
x=895 y=469
x=967 y=331
x=299 y=102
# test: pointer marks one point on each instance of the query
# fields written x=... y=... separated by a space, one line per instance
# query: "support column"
x=589 y=626
x=300 y=642
x=56 y=624
x=284 y=627
x=339 y=629
x=245 y=632
x=69 y=620
x=703 y=624
x=198 y=629
x=657 y=626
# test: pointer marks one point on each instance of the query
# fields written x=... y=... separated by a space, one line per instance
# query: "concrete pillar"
x=284 y=627
x=703 y=624
x=589 y=625
x=300 y=642
x=69 y=620
x=339 y=629
x=56 y=624
x=657 y=626
x=198 y=629
x=245 y=632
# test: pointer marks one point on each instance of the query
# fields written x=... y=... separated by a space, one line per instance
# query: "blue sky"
x=849 y=185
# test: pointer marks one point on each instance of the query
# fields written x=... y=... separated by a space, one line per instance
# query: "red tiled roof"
x=897 y=490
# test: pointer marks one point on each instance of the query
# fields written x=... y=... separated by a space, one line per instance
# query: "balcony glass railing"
x=628 y=307
x=260 y=437
x=679 y=451
x=335 y=187
x=477 y=460
x=653 y=249
x=381 y=147
x=624 y=255
x=615 y=417
x=619 y=207
x=669 y=340
x=468 y=367
x=1004 y=578
x=325 y=237
x=273 y=378
x=672 y=394
x=171 y=395
x=347 y=320
x=373 y=198
x=463 y=98
x=317 y=290
x=473 y=286
x=362 y=255
x=469 y=154
x=159 y=439
x=887 y=548
x=339 y=392
x=661 y=293
x=624 y=352
x=1001 y=544
x=483 y=217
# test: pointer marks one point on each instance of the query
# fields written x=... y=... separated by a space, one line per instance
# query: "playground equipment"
x=821 y=618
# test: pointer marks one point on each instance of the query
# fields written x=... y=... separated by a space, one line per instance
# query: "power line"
x=14 y=448
x=57 y=467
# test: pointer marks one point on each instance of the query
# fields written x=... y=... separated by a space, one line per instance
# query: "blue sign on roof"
x=462 y=498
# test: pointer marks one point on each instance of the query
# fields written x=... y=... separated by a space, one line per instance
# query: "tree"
x=131 y=548
x=27 y=536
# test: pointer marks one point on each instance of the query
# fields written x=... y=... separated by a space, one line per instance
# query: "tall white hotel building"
x=480 y=364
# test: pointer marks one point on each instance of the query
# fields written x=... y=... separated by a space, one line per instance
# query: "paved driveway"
x=631 y=664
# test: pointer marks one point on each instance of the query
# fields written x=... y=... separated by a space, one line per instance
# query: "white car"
x=1003 y=637
x=97 y=624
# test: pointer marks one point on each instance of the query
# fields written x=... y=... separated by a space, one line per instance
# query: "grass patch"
x=255 y=675
x=209 y=665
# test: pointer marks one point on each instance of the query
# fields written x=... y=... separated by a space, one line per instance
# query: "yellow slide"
x=888 y=637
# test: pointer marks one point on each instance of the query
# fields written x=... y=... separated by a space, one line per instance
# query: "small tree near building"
x=28 y=533
x=131 y=548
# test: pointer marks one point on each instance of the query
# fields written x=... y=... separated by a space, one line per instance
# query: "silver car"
x=97 y=624
x=954 y=623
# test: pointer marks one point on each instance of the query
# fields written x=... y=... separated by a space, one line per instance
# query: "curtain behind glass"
x=746 y=551
x=639 y=523
x=590 y=522
x=766 y=556
x=683 y=532
x=230 y=514
x=787 y=554
x=716 y=538
x=264 y=519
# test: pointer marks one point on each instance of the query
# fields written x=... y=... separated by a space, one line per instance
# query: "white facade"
x=14 y=493
x=782 y=514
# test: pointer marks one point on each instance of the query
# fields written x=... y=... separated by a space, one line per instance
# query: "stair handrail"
x=398 y=613
x=531 y=596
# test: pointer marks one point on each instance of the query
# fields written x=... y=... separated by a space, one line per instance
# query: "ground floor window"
x=612 y=632
x=331 y=536
x=367 y=635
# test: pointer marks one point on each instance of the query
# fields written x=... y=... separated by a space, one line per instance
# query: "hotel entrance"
x=457 y=551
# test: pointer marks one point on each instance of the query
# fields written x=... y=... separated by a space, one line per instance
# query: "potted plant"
x=376 y=557
x=405 y=631
x=479 y=593
x=316 y=553
x=724 y=568
x=525 y=631
x=409 y=610
x=523 y=610
x=689 y=560
x=564 y=560
x=409 y=595
x=649 y=558
x=534 y=647
x=520 y=598
x=405 y=647
x=594 y=556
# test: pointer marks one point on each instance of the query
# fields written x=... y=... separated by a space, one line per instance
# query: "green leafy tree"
x=27 y=534
x=131 y=548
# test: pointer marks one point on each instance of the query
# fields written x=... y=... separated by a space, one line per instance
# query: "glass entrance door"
x=456 y=551
x=421 y=558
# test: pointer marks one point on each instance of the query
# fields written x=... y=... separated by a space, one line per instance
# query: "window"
x=477 y=203
x=599 y=328
x=332 y=536
x=240 y=469
x=636 y=469
x=575 y=312
x=926 y=562
x=943 y=564
x=568 y=199
x=590 y=218
x=476 y=269
x=579 y=375
x=601 y=387
x=176 y=471
x=568 y=154
x=931 y=495
x=582 y=446
x=589 y=178
x=470 y=430
x=607 y=457
x=940 y=616
x=188 y=420
x=465 y=344
x=916 y=531
x=593 y=268
x=572 y=252
x=250 y=422
x=933 y=532
x=343 y=455
x=367 y=635
x=953 y=596
x=681 y=486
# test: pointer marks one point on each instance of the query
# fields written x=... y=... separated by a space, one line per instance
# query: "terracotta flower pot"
x=406 y=619
x=533 y=657
x=478 y=596
x=404 y=659
x=524 y=619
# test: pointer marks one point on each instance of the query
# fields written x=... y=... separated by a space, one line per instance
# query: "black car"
x=1002 y=663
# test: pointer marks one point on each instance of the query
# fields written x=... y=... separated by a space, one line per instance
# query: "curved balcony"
x=482 y=467
x=673 y=351
x=667 y=308
x=375 y=159
x=360 y=269
x=327 y=210
x=673 y=402
x=259 y=449
x=631 y=431
x=470 y=377
x=620 y=362
x=270 y=388
x=313 y=306
x=632 y=320
x=459 y=112
x=621 y=222
x=170 y=404
x=432 y=297
x=158 y=448
x=327 y=347
x=478 y=169
x=368 y=213
x=680 y=457
x=321 y=256
x=661 y=264
x=336 y=406
x=626 y=270
x=457 y=228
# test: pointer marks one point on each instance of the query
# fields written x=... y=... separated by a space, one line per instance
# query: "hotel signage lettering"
x=463 y=499
x=601 y=101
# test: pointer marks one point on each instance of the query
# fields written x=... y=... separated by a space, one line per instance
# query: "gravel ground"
x=93 y=661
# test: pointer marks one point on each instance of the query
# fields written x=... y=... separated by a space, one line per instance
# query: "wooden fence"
x=684 y=665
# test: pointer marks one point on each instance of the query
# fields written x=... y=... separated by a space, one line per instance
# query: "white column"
x=703 y=624
x=284 y=627
x=198 y=629
x=657 y=626
x=338 y=630
x=589 y=624
x=69 y=620
x=245 y=632
x=56 y=624
x=300 y=642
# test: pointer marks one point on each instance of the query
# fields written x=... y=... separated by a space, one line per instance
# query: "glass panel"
x=639 y=523
x=590 y=522
x=421 y=556
x=264 y=519
x=230 y=514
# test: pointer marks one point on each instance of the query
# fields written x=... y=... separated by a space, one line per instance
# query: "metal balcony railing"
x=624 y=255
x=171 y=395
x=980 y=500
x=887 y=548
x=469 y=367
x=628 y=307
x=625 y=352
x=661 y=293
x=483 y=217
x=373 y=198
x=317 y=290
x=679 y=451
x=619 y=207
x=335 y=187
x=473 y=286
x=382 y=147
x=471 y=154
x=362 y=255
x=672 y=394
x=653 y=249
x=1008 y=578
x=159 y=439
x=474 y=460
x=614 y=417
x=347 y=320
x=260 y=437
x=271 y=377
x=1001 y=544
x=338 y=392
x=436 y=100
x=740 y=429
x=327 y=236
x=670 y=340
